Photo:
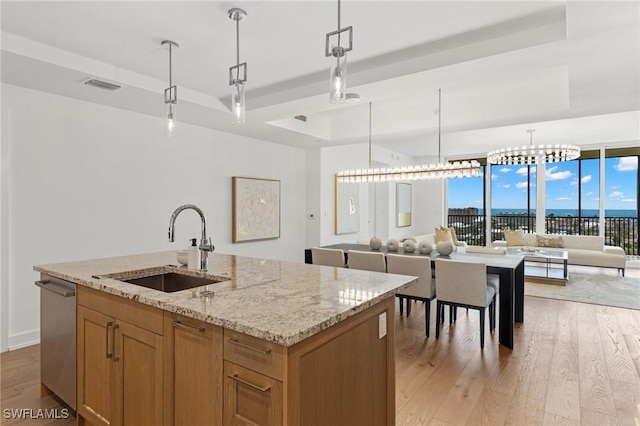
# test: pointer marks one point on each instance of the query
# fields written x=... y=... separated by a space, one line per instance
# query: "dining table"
x=509 y=267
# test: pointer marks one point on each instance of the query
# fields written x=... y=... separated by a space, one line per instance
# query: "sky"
x=509 y=186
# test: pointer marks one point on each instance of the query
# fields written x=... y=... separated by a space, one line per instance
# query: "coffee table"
x=546 y=266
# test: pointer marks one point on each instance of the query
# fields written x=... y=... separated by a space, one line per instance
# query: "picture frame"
x=347 y=207
x=255 y=211
x=403 y=204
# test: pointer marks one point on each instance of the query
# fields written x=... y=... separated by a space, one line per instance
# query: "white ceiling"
x=571 y=70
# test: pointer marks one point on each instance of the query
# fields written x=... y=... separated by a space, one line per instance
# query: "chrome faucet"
x=205 y=242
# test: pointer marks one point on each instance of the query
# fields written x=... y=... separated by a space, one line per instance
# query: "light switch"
x=382 y=325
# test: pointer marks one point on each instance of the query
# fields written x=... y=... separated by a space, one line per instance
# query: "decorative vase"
x=375 y=243
x=445 y=248
x=409 y=246
x=425 y=247
x=393 y=245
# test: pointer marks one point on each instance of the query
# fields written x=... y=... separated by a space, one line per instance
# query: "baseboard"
x=22 y=340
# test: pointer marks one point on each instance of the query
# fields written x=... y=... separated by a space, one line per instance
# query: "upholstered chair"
x=327 y=257
x=369 y=261
x=464 y=284
x=423 y=290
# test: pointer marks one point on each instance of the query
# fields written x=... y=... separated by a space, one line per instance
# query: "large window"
x=467 y=209
x=621 y=203
x=513 y=199
x=572 y=199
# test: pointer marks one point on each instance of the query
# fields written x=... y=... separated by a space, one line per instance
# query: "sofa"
x=585 y=250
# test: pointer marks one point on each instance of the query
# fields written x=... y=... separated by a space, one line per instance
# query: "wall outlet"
x=382 y=325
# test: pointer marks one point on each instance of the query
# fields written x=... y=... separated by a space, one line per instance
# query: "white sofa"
x=581 y=249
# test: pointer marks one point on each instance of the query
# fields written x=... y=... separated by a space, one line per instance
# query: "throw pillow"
x=443 y=235
x=552 y=242
x=514 y=237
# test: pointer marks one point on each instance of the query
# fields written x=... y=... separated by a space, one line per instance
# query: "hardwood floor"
x=573 y=364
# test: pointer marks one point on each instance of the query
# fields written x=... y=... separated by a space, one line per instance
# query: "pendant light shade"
x=170 y=96
x=441 y=170
x=238 y=72
x=334 y=48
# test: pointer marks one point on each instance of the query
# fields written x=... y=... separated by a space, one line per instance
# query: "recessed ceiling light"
x=352 y=98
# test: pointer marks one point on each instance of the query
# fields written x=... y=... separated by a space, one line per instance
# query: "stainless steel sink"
x=170 y=282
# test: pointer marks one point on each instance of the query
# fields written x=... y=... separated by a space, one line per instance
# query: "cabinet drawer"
x=253 y=353
x=251 y=398
x=138 y=314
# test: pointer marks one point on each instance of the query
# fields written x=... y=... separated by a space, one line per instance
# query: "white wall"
x=81 y=180
x=427 y=196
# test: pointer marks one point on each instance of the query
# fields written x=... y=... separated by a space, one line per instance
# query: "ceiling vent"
x=101 y=84
x=301 y=118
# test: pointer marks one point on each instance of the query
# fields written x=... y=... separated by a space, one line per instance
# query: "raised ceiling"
x=570 y=70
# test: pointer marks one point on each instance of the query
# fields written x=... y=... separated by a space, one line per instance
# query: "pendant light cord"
x=338 y=23
x=170 y=67
x=439 y=124
x=369 y=134
x=237 y=50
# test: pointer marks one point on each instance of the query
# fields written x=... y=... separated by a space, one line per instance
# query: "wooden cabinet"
x=342 y=376
x=120 y=362
x=193 y=372
x=138 y=365
x=96 y=377
x=251 y=398
x=253 y=374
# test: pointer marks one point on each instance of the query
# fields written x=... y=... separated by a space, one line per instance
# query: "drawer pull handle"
x=187 y=327
x=244 y=382
x=251 y=348
x=115 y=356
x=60 y=292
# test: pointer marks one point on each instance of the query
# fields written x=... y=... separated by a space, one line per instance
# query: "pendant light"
x=235 y=81
x=441 y=170
x=533 y=154
x=338 y=79
x=170 y=96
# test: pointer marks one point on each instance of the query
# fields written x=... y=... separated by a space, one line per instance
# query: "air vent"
x=301 y=118
x=93 y=82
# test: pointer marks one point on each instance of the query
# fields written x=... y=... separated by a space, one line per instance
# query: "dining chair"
x=369 y=261
x=327 y=257
x=423 y=290
x=464 y=284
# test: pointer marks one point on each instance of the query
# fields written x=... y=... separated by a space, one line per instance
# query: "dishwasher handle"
x=64 y=292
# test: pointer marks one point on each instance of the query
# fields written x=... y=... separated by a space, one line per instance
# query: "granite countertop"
x=283 y=302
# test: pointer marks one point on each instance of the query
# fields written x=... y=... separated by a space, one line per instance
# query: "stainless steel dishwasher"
x=58 y=337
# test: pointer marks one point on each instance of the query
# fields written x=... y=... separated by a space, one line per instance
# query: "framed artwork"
x=403 y=204
x=347 y=205
x=255 y=209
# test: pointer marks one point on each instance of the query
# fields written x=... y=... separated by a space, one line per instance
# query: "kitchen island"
x=276 y=343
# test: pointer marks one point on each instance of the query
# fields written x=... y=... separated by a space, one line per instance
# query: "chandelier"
x=527 y=154
x=440 y=170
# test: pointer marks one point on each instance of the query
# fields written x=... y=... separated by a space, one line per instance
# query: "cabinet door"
x=250 y=398
x=193 y=372
x=139 y=382
x=96 y=379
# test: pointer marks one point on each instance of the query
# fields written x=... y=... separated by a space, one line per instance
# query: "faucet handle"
x=205 y=245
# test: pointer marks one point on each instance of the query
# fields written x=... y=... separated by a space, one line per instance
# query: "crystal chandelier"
x=533 y=153
x=441 y=170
